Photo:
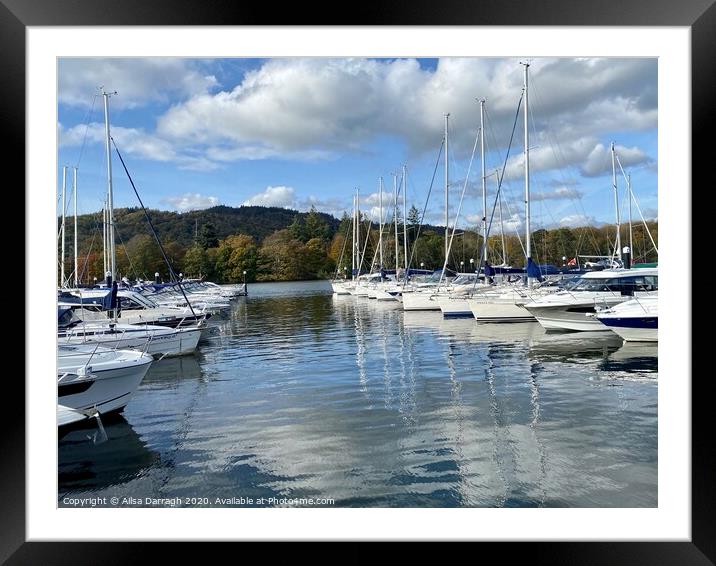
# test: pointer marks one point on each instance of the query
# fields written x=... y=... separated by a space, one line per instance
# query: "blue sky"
x=298 y=132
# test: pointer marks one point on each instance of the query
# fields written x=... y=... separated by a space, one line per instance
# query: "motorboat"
x=152 y=339
x=133 y=308
x=567 y=309
x=92 y=378
x=636 y=320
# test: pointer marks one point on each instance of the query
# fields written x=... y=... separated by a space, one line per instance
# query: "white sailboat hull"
x=499 y=311
x=454 y=307
x=340 y=288
x=420 y=302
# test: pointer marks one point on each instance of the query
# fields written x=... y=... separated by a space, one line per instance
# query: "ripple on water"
x=299 y=393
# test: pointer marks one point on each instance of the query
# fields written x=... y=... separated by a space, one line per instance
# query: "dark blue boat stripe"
x=645 y=322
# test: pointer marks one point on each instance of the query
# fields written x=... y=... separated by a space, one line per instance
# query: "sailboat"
x=155 y=339
x=506 y=303
x=425 y=297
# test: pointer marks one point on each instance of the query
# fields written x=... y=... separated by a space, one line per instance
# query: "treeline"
x=314 y=245
x=296 y=252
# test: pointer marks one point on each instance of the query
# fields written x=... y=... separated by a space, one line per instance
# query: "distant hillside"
x=256 y=221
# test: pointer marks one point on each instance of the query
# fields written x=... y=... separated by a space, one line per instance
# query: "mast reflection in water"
x=297 y=393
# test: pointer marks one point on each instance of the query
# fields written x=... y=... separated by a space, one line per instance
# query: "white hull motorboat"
x=568 y=309
x=152 y=339
x=92 y=378
x=635 y=321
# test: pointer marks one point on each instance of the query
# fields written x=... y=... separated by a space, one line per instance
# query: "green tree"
x=236 y=254
x=196 y=262
x=413 y=223
x=207 y=236
x=282 y=258
x=244 y=257
x=146 y=258
x=298 y=230
x=316 y=226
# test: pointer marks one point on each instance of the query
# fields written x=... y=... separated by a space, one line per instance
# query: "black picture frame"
x=699 y=15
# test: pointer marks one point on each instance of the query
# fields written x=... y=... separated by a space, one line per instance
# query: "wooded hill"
x=255 y=221
x=279 y=244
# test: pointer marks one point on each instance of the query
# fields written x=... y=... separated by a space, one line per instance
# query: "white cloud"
x=334 y=206
x=135 y=142
x=312 y=109
x=138 y=80
x=650 y=214
x=557 y=194
x=292 y=106
x=373 y=199
x=577 y=220
x=599 y=161
x=191 y=201
x=284 y=197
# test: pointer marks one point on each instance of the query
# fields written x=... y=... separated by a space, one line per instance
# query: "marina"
x=300 y=393
x=450 y=354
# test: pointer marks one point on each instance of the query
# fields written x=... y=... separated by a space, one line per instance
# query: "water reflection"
x=314 y=395
x=87 y=467
x=574 y=346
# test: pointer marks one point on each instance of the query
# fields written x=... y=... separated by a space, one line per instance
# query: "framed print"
x=314 y=414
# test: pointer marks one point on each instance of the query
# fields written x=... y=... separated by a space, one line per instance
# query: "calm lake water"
x=300 y=394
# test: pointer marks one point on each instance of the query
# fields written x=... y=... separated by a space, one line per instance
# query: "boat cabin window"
x=67 y=318
x=625 y=285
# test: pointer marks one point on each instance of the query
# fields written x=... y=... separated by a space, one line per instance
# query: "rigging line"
x=172 y=273
x=508 y=188
x=84 y=139
x=126 y=252
x=502 y=182
x=369 y=228
x=422 y=217
x=636 y=202
x=499 y=188
x=89 y=251
x=552 y=140
x=340 y=259
x=459 y=207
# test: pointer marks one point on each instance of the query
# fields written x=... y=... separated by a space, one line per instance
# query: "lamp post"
x=244 y=279
x=344 y=272
x=462 y=263
x=564 y=260
x=422 y=265
x=472 y=261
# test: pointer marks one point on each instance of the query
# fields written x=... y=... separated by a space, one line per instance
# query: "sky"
x=302 y=132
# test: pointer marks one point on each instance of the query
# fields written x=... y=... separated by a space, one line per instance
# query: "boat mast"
x=104 y=235
x=395 y=219
x=405 y=219
x=62 y=226
x=616 y=201
x=484 y=179
x=502 y=226
x=380 y=226
x=74 y=191
x=631 y=235
x=353 y=241
x=528 y=250
x=358 y=260
x=447 y=219
x=110 y=198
